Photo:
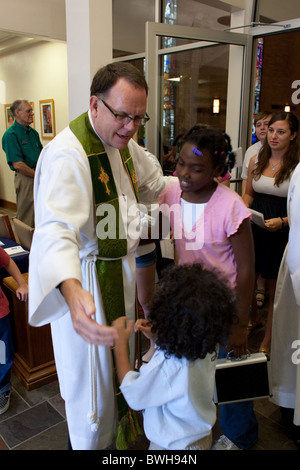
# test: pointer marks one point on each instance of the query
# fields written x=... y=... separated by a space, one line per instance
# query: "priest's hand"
x=82 y=308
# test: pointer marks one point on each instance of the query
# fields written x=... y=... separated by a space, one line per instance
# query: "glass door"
x=196 y=75
x=276 y=72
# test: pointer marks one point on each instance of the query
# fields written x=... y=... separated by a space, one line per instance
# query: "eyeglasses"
x=28 y=111
x=126 y=119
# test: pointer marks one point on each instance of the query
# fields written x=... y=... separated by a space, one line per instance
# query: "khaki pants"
x=24 y=198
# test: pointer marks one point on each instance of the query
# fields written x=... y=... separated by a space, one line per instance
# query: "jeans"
x=238 y=421
x=6 y=354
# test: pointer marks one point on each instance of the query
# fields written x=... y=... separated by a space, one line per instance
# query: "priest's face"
x=111 y=115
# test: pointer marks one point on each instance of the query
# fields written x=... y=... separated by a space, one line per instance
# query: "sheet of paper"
x=238 y=157
x=15 y=250
x=258 y=218
x=167 y=249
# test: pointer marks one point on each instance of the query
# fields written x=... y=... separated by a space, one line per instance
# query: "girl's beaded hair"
x=217 y=143
x=197 y=152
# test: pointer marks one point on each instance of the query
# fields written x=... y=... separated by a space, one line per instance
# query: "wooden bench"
x=34 y=359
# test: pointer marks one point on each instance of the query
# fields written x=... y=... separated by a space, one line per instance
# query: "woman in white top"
x=261 y=124
x=266 y=192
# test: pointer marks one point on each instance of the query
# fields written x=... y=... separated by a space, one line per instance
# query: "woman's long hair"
x=290 y=158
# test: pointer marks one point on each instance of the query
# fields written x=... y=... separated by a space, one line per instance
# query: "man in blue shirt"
x=22 y=146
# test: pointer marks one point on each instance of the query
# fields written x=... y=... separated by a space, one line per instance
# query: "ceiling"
x=11 y=41
x=141 y=11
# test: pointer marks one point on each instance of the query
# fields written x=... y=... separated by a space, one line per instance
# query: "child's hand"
x=145 y=327
x=124 y=329
x=22 y=293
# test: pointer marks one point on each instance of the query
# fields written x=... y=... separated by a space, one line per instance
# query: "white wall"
x=35 y=73
x=42 y=18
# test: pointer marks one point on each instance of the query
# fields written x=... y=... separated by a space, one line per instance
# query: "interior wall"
x=34 y=18
x=276 y=86
x=38 y=72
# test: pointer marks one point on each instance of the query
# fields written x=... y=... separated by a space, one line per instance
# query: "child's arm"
x=121 y=347
x=243 y=249
x=22 y=290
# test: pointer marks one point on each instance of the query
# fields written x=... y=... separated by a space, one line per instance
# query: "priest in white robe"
x=89 y=182
x=285 y=350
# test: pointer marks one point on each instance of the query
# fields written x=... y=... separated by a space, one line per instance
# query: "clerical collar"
x=92 y=124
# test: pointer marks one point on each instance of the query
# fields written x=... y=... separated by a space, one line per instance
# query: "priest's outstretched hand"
x=82 y=308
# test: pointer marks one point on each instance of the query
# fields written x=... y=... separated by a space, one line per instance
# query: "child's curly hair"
x=191 y=312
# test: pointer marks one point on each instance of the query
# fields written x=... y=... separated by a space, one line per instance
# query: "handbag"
x=242 y=378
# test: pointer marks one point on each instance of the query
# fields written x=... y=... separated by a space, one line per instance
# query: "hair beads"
x=197 y=152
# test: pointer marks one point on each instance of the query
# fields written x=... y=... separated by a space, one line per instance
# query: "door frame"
x=281 y=27
x=156 y=30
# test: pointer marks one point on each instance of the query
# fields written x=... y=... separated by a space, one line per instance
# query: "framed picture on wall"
x=9 y=117
x=33 y=122
x=47 y=119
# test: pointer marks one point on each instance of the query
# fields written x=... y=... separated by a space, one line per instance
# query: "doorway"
x=277 y=83
x=187 y=69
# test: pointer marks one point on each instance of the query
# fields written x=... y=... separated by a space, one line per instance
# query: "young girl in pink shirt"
x=211 y=226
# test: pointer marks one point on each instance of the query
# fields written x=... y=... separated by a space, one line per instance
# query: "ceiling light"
x=216 y=106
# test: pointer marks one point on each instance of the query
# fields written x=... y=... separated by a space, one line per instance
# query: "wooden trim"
x=8 y=227
x=34 y=361
x=12 y=206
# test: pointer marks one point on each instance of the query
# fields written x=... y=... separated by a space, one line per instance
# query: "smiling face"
x=196 y=174
x=280 y=136
x=125 y=99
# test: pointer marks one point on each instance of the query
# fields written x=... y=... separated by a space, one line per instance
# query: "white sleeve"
x=150 y=179
x=62 y=195
x=246 y=161
x=144 y=390
x=250 y=152
x=152 y=386
x=293 y=253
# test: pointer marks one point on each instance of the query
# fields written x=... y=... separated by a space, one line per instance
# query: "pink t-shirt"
x=208 y=243
x=4 y=305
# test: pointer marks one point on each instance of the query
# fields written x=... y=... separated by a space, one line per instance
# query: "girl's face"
x=280 y=136
x=196 y=174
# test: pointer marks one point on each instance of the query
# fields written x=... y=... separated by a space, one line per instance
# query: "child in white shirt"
x=191 y=313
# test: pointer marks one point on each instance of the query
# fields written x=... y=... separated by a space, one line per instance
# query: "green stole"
x=109 y=273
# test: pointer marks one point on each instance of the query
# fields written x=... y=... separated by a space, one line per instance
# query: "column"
x=89 y=46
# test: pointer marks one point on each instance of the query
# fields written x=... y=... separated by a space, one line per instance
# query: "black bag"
x=241 y=379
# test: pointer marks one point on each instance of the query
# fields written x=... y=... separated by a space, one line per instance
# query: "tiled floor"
x=36 y=419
